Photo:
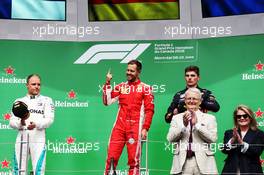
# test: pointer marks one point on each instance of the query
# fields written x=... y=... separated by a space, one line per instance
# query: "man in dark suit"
x=192 y=76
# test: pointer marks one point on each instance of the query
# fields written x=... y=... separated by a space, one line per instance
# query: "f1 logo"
x=123 y=52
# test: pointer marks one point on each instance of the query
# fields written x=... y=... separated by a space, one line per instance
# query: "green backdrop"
x=227 y=68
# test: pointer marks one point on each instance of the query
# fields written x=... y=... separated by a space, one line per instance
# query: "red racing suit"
x=136 y=109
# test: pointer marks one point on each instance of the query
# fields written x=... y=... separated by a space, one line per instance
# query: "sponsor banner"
x=71 y=102
x=5 y=167
x=4 y=123
x=71 y=146
x=259 y=117
x=9 y=77
x=125 y=172
x=73 y=74
x=255 y=74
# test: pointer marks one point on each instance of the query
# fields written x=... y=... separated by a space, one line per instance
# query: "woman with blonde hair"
x=243 y=144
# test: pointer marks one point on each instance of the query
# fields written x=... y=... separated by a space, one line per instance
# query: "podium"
x=144 y=168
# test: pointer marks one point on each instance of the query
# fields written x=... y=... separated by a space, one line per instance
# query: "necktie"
x=189 y=150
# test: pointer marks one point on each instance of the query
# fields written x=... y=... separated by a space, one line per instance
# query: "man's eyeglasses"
x=245 y=116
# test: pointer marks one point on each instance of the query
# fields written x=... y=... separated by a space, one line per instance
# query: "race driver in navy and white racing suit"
x=136 y=109
x=41 y=116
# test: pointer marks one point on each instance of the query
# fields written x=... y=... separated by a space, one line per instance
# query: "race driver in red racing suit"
x=136 y=109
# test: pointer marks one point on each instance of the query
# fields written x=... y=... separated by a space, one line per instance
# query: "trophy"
x=20 y=110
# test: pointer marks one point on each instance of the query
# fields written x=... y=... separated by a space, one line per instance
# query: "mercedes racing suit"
x=41 y=111
x=209 y=103
x=136 y=109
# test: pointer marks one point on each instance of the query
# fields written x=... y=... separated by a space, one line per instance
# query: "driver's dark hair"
x=136 y=62
x=192 y=68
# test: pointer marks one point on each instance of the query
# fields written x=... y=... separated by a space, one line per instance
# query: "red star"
x=259 y=66
x=72 y=94
x=259 y=113
x=261 y=162
x=9 y=70
x=5 y=164
x=7 y=116
x=70 y=140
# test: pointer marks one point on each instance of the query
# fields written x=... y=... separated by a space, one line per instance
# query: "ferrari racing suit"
x=136 y=109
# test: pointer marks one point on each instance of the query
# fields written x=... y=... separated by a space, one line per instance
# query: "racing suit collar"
x=31 y=97
x=198 y=87
x=134 y=83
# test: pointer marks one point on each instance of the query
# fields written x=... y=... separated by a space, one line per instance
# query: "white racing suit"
x=41 y=109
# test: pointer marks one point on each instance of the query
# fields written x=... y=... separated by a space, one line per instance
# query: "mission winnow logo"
x=123 y=52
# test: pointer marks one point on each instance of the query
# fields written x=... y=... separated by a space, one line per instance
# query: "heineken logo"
x=71 y=101
x=5 y=124
x=5 y=163
x=9 y=70
x=256 y=74
x=9 y=77
x=71 y=146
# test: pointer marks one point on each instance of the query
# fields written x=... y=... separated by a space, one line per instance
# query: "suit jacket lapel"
x=249 y=136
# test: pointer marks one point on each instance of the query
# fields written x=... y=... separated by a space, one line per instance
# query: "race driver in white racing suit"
x=41 y=116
